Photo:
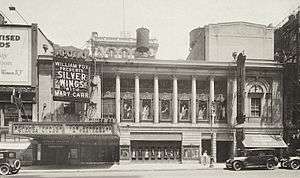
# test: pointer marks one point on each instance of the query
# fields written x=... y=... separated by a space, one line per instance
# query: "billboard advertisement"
x=15 y=55
x=71 y=80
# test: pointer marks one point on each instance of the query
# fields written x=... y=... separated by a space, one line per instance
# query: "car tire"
x=4 y=169
x=283 y=164
x=15 y=171
x=294 y=164
x=237 y=166
x=270 y=165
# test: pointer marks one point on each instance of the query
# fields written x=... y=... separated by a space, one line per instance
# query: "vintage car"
x=249 y=158
x=292 y=162
x=9 y=164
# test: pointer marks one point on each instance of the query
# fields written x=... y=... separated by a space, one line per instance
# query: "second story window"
x=111 y=53
x=255 y=107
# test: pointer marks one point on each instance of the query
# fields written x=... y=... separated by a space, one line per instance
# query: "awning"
x=14 y=145
x=156 y=136
x=263 y=141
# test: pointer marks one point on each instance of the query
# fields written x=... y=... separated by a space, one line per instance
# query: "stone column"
x=137 y=98
x=118 y=98
x=234 y=102
x=211 y=96
x=234 y=144
x=175 y=100
x=34 y=113
x=194 y=96
x=214 y=146
x=1 y=117
x=39 y=152
x=156 y=100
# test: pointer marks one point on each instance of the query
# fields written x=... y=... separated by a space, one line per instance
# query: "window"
x=109 y=107
x=255 y=107
x=111 y=53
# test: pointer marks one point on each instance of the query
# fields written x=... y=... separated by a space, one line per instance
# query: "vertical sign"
x=71 y=80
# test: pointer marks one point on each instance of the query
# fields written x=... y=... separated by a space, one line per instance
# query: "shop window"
x=74 y=153
x=255 y=107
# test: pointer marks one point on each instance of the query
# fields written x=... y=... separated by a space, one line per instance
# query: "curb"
x=116 y=170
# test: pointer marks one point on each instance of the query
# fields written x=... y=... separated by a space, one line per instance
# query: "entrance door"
x=55 y=155
x=223 y=150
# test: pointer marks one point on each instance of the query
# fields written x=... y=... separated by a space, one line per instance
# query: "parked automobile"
x=9 y=164
x=249 y=158
x=292 y=162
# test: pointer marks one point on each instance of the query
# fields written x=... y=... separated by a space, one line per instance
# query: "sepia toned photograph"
x=150 y=88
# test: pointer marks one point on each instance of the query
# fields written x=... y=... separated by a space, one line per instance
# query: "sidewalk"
x=123 y=168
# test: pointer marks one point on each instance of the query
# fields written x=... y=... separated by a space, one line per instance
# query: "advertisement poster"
x=15 y=56
x=71 y=80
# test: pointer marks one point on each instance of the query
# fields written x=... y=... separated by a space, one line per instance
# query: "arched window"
x=255 y=95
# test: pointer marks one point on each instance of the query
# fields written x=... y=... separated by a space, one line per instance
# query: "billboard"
x=15 y=55
x=71 y=80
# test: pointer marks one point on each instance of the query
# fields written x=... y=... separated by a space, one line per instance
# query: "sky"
x=71 y=22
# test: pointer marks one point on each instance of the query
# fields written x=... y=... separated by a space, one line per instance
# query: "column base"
x=124 y=162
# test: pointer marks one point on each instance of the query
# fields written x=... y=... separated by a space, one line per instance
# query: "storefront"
x=79 y=151
x=156 y=151
x=72 y=143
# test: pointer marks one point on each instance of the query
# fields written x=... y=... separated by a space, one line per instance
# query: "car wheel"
x=283 y=164
x=270 y=165
x=4 y=169
x=237 y=166
x=295 y=164
x=15 y=171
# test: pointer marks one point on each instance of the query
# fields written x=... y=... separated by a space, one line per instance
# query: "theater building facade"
x=174 y=110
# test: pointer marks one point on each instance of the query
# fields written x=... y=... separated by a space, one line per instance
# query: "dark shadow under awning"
x=263 y=141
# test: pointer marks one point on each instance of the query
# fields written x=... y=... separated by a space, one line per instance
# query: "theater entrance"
x=156 y=151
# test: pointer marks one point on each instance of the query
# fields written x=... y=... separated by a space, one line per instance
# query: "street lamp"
x=212 y=115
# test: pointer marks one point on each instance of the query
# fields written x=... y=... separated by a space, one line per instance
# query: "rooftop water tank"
x=194 y=34
x=142 y=39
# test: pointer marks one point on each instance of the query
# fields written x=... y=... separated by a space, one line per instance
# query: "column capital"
x=174 y=77
x=194 y=77
x=137 y=75
x=212 y=77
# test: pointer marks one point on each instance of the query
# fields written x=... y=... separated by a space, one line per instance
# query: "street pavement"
x=205 y=173
x=152 y=171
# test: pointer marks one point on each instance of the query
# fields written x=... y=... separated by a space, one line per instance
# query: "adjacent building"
x=287 y=45
x=20 y=48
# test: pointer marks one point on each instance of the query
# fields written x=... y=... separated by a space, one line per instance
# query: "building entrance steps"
x=122 y=167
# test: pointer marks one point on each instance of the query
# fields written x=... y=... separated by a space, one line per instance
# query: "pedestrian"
x=205 y=157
